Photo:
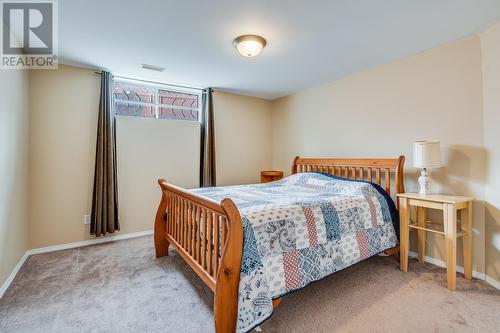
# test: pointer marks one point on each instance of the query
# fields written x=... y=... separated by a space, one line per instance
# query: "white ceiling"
x=309 y=42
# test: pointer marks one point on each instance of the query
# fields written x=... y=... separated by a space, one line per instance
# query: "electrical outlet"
x=86 y=219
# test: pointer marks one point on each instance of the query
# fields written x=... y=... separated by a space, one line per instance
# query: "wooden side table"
x=270 y=176
x=450 y=205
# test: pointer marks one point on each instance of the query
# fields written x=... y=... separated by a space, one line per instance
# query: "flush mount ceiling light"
x=249 y=45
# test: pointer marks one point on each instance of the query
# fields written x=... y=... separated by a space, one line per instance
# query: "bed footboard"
x=208 y=235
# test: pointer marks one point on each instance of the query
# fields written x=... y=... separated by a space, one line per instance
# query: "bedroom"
x=357 y=80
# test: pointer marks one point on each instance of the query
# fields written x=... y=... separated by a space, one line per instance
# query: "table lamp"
x=426 y=155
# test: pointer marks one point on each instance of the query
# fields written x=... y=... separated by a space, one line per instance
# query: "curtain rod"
x=154 y=82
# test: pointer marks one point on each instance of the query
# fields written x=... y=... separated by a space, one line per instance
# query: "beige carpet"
x=120 y=287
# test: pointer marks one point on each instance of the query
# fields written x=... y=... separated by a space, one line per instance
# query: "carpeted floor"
x=120 y=287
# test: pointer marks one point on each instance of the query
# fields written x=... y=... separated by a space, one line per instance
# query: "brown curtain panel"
x=207 y=156
x=104 y=217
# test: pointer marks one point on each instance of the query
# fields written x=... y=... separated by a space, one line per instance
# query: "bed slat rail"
x=197 y=228
x=208 y=235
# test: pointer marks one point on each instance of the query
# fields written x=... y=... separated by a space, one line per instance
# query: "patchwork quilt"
x=301 y=229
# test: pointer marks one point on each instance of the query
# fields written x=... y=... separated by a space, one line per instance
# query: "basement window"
x=151 y=100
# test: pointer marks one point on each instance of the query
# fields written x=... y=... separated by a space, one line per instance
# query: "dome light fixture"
x=249 y=45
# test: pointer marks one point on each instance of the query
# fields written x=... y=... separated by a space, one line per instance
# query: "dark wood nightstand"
x=270 y=176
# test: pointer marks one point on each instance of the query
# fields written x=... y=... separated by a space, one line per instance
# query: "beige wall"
x=379 y=113
x=14 y=125
x=64 y=119
x=149 y=149
x=63 y=122
x=490 y=43
x=242 y=138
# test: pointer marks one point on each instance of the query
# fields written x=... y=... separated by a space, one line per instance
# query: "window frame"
x=157 y=87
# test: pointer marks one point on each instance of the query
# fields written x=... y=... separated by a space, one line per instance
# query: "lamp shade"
x=426 y=154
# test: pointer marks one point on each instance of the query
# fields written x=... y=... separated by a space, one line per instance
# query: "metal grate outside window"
x=142 y=99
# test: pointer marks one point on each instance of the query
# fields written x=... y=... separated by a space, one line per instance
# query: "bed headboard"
x=371 y=169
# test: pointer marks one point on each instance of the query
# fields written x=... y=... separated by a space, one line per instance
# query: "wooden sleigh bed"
x=216 y=257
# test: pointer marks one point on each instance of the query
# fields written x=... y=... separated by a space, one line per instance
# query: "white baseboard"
x=460 y=269
x=492 y=282
x=66 y=246
x=90 y=242
x=13 y=274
